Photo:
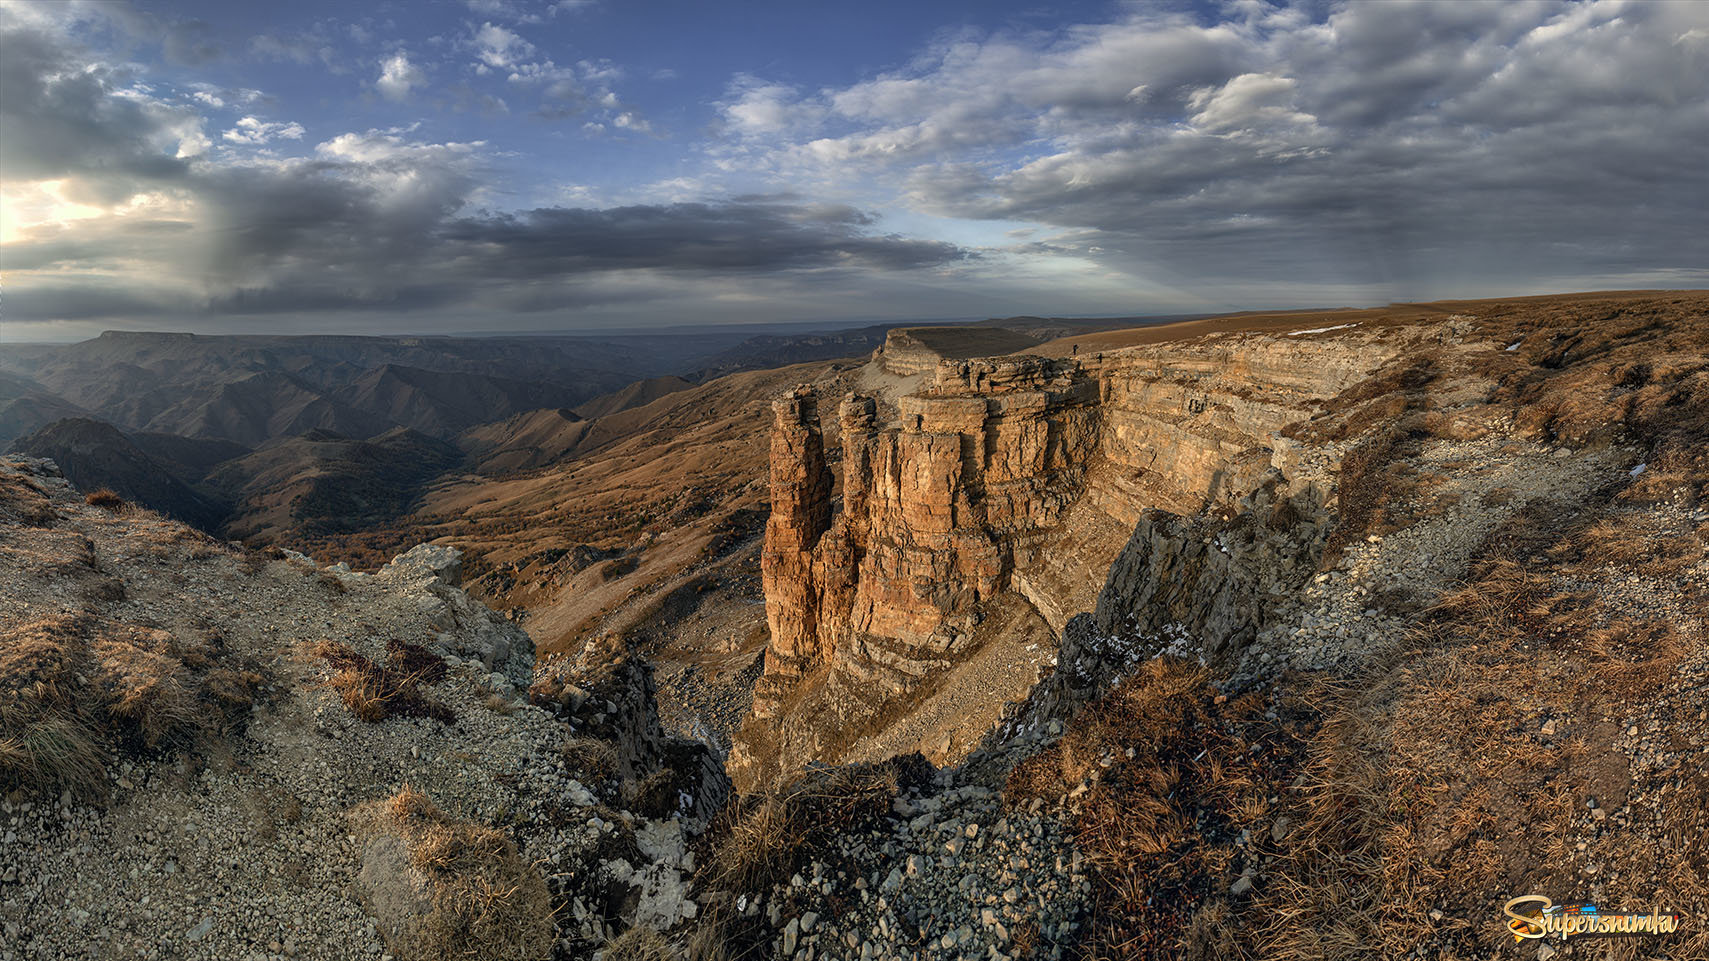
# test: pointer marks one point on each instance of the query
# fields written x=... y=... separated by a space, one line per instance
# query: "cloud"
x=1416 y=143
x=190 y=42
x=750 y=235
x=398 y=76
x=1261 y=156
x=255 y=132
x=67 y=115
x=298 y=48
x=127 y=220
x=577 y=90
x=755 y=108
x=498 y=48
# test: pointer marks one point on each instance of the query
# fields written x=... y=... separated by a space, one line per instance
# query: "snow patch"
x=1320 y=330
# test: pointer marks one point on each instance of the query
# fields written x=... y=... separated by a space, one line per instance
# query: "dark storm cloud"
x=371 y=221
x=66 y=115
x=688 y=236
x=1415 y=143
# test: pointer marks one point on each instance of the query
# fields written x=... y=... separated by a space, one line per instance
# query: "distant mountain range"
x=275 y=438
x=253 y=389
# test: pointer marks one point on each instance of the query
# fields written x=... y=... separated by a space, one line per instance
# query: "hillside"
x=442 y=404
x=25 y=407
x=323 y=483
x=96 y=455
x=252 y=389
x=638 y=394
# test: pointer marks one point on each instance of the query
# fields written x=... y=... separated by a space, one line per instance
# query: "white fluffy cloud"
x=254 y=132
x=398 y=76
x=498 y=48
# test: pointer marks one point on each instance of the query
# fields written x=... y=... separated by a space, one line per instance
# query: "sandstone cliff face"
x=1016 y=476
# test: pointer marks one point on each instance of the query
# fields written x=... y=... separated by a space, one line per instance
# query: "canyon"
x=991 y=501
x=1117 y=643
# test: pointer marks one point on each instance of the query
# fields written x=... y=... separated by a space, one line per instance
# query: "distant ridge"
x=638 y=394
x=94 y=454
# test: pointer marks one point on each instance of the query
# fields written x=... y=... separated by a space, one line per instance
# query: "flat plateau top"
x=1284 y=320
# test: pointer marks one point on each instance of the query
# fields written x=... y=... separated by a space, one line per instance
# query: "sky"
x=424 y=167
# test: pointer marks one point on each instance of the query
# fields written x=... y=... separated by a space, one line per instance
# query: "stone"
x=1026 y=477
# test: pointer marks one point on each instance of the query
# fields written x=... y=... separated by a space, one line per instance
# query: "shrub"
x=373 y=692
x=482 y=900
x=639 y=944
x=105 y=499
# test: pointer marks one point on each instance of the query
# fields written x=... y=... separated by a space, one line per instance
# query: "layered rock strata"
x=1016 y=476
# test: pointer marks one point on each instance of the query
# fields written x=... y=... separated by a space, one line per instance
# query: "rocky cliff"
x=1007 y=483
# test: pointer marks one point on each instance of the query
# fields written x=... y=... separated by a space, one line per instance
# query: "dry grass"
x=590 y=759
x=486 y=902
x=373 y=692
x=1457 y=775
x=105 y=499
x=415 y=661
x=639 y=944
x=23 y=500
x=1162 y=780
x=74 y=690
x=1587 y=373
x=765 y=838
x=760 y=840
x=150 y=692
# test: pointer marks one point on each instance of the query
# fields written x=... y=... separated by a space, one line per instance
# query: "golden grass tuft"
x=105 y=499
x=373 y=692
x=590 y=759
x=148 y=692
x=486 y=903
x=639 y=944
x=767 y=837
x=47 y=739
x=73 y=689
x=759 y=840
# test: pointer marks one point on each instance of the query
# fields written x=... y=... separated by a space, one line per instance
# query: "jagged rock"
x=431 y=575
x=617 y=703
x=1015 y=476
x=429 y=560
x=800 y=514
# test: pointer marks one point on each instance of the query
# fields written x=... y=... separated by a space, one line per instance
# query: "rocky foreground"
x=266 y=831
